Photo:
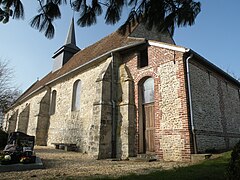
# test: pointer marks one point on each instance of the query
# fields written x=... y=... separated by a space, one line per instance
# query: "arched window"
x=53 y=102
x=148 y=91
x=76 y=95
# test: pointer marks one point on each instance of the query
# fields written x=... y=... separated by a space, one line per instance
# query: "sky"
x=215 y=36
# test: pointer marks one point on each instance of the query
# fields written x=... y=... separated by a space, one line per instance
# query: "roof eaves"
x=168 y=46
x=214 y=67
x=19 y=99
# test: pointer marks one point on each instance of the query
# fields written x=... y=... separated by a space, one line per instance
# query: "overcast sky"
x=214 y=36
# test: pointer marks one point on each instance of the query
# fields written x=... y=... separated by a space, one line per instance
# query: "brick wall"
x=172 y=138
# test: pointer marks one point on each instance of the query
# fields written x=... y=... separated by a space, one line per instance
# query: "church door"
x=149 y=129
x=148 y=124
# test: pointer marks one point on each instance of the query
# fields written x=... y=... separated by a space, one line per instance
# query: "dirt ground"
x=60 y=164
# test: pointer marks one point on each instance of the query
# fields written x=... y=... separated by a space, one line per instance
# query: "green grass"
x=214 y=169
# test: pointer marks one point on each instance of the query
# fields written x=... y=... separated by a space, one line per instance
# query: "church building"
x=128 y=95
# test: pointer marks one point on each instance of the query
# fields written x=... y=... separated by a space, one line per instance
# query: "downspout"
x=190 y=105
x=114 y=148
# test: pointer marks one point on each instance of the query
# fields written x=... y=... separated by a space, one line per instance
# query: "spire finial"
x=71 y=34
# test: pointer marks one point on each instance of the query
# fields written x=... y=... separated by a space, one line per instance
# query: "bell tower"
x=63 y=54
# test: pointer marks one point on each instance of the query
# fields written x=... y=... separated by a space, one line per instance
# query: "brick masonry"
x=172 y=137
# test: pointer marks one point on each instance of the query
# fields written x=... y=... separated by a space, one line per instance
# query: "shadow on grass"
x=209 y=169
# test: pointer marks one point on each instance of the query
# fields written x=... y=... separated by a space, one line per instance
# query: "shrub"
x=3 y=139
x=233 y=170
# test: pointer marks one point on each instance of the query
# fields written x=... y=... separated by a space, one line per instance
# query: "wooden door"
x=149 y=127
x=146 y=117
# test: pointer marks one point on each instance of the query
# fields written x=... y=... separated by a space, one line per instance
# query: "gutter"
x=114 y=123
x=190 y=104
x=85 y=64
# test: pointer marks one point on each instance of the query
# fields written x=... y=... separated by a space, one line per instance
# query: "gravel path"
x=60 y=164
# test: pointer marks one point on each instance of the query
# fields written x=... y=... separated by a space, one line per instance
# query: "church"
x=128 y=95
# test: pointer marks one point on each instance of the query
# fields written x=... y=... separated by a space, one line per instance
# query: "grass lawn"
x=210 y=169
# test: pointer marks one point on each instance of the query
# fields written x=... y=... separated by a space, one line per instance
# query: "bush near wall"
x=3 y=139
x=233 y=171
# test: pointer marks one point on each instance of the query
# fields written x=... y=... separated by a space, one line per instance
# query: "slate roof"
x=107 y=44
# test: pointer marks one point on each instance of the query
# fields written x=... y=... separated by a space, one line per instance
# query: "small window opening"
x=53 y=102
x=76 y=95
x=143 y=58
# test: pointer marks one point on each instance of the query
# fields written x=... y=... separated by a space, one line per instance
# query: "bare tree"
x=8 y=92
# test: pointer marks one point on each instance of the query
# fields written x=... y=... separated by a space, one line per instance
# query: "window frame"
x=76 y=93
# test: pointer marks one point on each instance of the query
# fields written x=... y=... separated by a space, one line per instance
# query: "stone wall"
x=126 y=122
x=25 y=116
x=42 y=125
x=67 y=126
x=92 y=127
x=101 y=126
x=23 y=119
x=12 y=119
x=216 y=108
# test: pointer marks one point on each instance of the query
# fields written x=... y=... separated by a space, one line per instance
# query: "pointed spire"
x=64 y=54
x=71 y=34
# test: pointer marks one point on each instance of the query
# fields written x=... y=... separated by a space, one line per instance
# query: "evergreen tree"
x=164 y=14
